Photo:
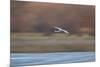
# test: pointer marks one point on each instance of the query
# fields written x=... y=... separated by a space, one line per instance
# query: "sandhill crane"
x=60 y=30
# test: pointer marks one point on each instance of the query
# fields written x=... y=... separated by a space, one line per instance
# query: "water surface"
x=28 y=59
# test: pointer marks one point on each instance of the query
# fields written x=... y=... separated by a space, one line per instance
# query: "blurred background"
x=32 y=27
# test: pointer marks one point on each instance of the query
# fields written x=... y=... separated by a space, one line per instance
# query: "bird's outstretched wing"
x=59 y=30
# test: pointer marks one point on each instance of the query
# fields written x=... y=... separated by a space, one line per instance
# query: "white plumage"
x=60 y=30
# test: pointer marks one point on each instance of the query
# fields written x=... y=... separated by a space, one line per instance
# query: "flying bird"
x=60 y=30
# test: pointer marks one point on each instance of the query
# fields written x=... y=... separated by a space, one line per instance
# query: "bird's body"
x=60 y=30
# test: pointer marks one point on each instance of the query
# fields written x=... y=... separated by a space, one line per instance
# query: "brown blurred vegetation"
x=42 y=17
x=53 y=48
x=35 y=42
